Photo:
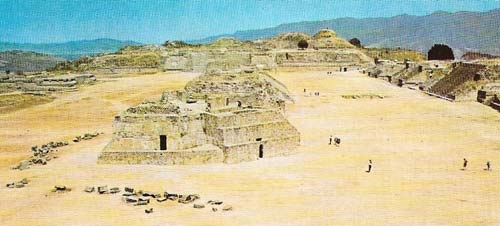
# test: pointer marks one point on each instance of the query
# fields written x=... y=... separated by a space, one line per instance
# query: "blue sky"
x=154 y=21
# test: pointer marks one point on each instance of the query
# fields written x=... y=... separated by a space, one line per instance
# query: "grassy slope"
x=13 y=102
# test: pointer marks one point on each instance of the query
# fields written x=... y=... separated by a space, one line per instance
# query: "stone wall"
x=210 y=59
x=142 y=132
x=320 y=58
x=224 y=101
x=266 y=60
x=252 y=132
x=242 y=117
x=45 y=83
x=184 y=157
x=125 y=70
x=205 y=59
x=250 y=151
x=178 y=62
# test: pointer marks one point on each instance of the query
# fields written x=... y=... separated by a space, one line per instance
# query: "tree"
x=355 y=42
x=440 y=52
x=303 y=44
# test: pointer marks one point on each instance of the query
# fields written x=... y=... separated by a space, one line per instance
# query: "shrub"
x=355 y=42
x=303 y=44
x=440 y=52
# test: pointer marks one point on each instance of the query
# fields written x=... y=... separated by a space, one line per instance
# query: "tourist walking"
x=331 y=139
x=465 y=164
x=488 y=166
x=337 y=141
x=369 y=166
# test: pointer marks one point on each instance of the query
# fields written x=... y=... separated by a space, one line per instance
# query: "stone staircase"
x=460 y=74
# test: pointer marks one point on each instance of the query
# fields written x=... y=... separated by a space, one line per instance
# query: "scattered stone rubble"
x=61 y=189
x=198 y=206
x=227 y=208
x=89 y=189
x=87 y=136
x=18 y=184
x=144 y=198
x=102 y=190
x=41 y=155
x=44 y=153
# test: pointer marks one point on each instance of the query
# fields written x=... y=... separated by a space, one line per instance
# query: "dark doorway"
x=163 y=142
x=345 y=69
x=477 y=77
x=227 y=101
x=261 y=151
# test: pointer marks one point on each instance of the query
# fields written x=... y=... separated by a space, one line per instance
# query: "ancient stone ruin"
x=219 y=117
x=460 y=74
x=45 y=83
x=453 y=81
x=325 y=49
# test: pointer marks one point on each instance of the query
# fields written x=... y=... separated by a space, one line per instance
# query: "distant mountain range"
x=70 y=50
x=463 y=31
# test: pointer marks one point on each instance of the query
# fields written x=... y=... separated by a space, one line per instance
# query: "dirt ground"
x=416 y=143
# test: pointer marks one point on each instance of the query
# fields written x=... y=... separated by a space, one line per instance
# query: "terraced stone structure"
x=227 y=117
x=326 y=49
x=460 y=74
x=45 y=83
